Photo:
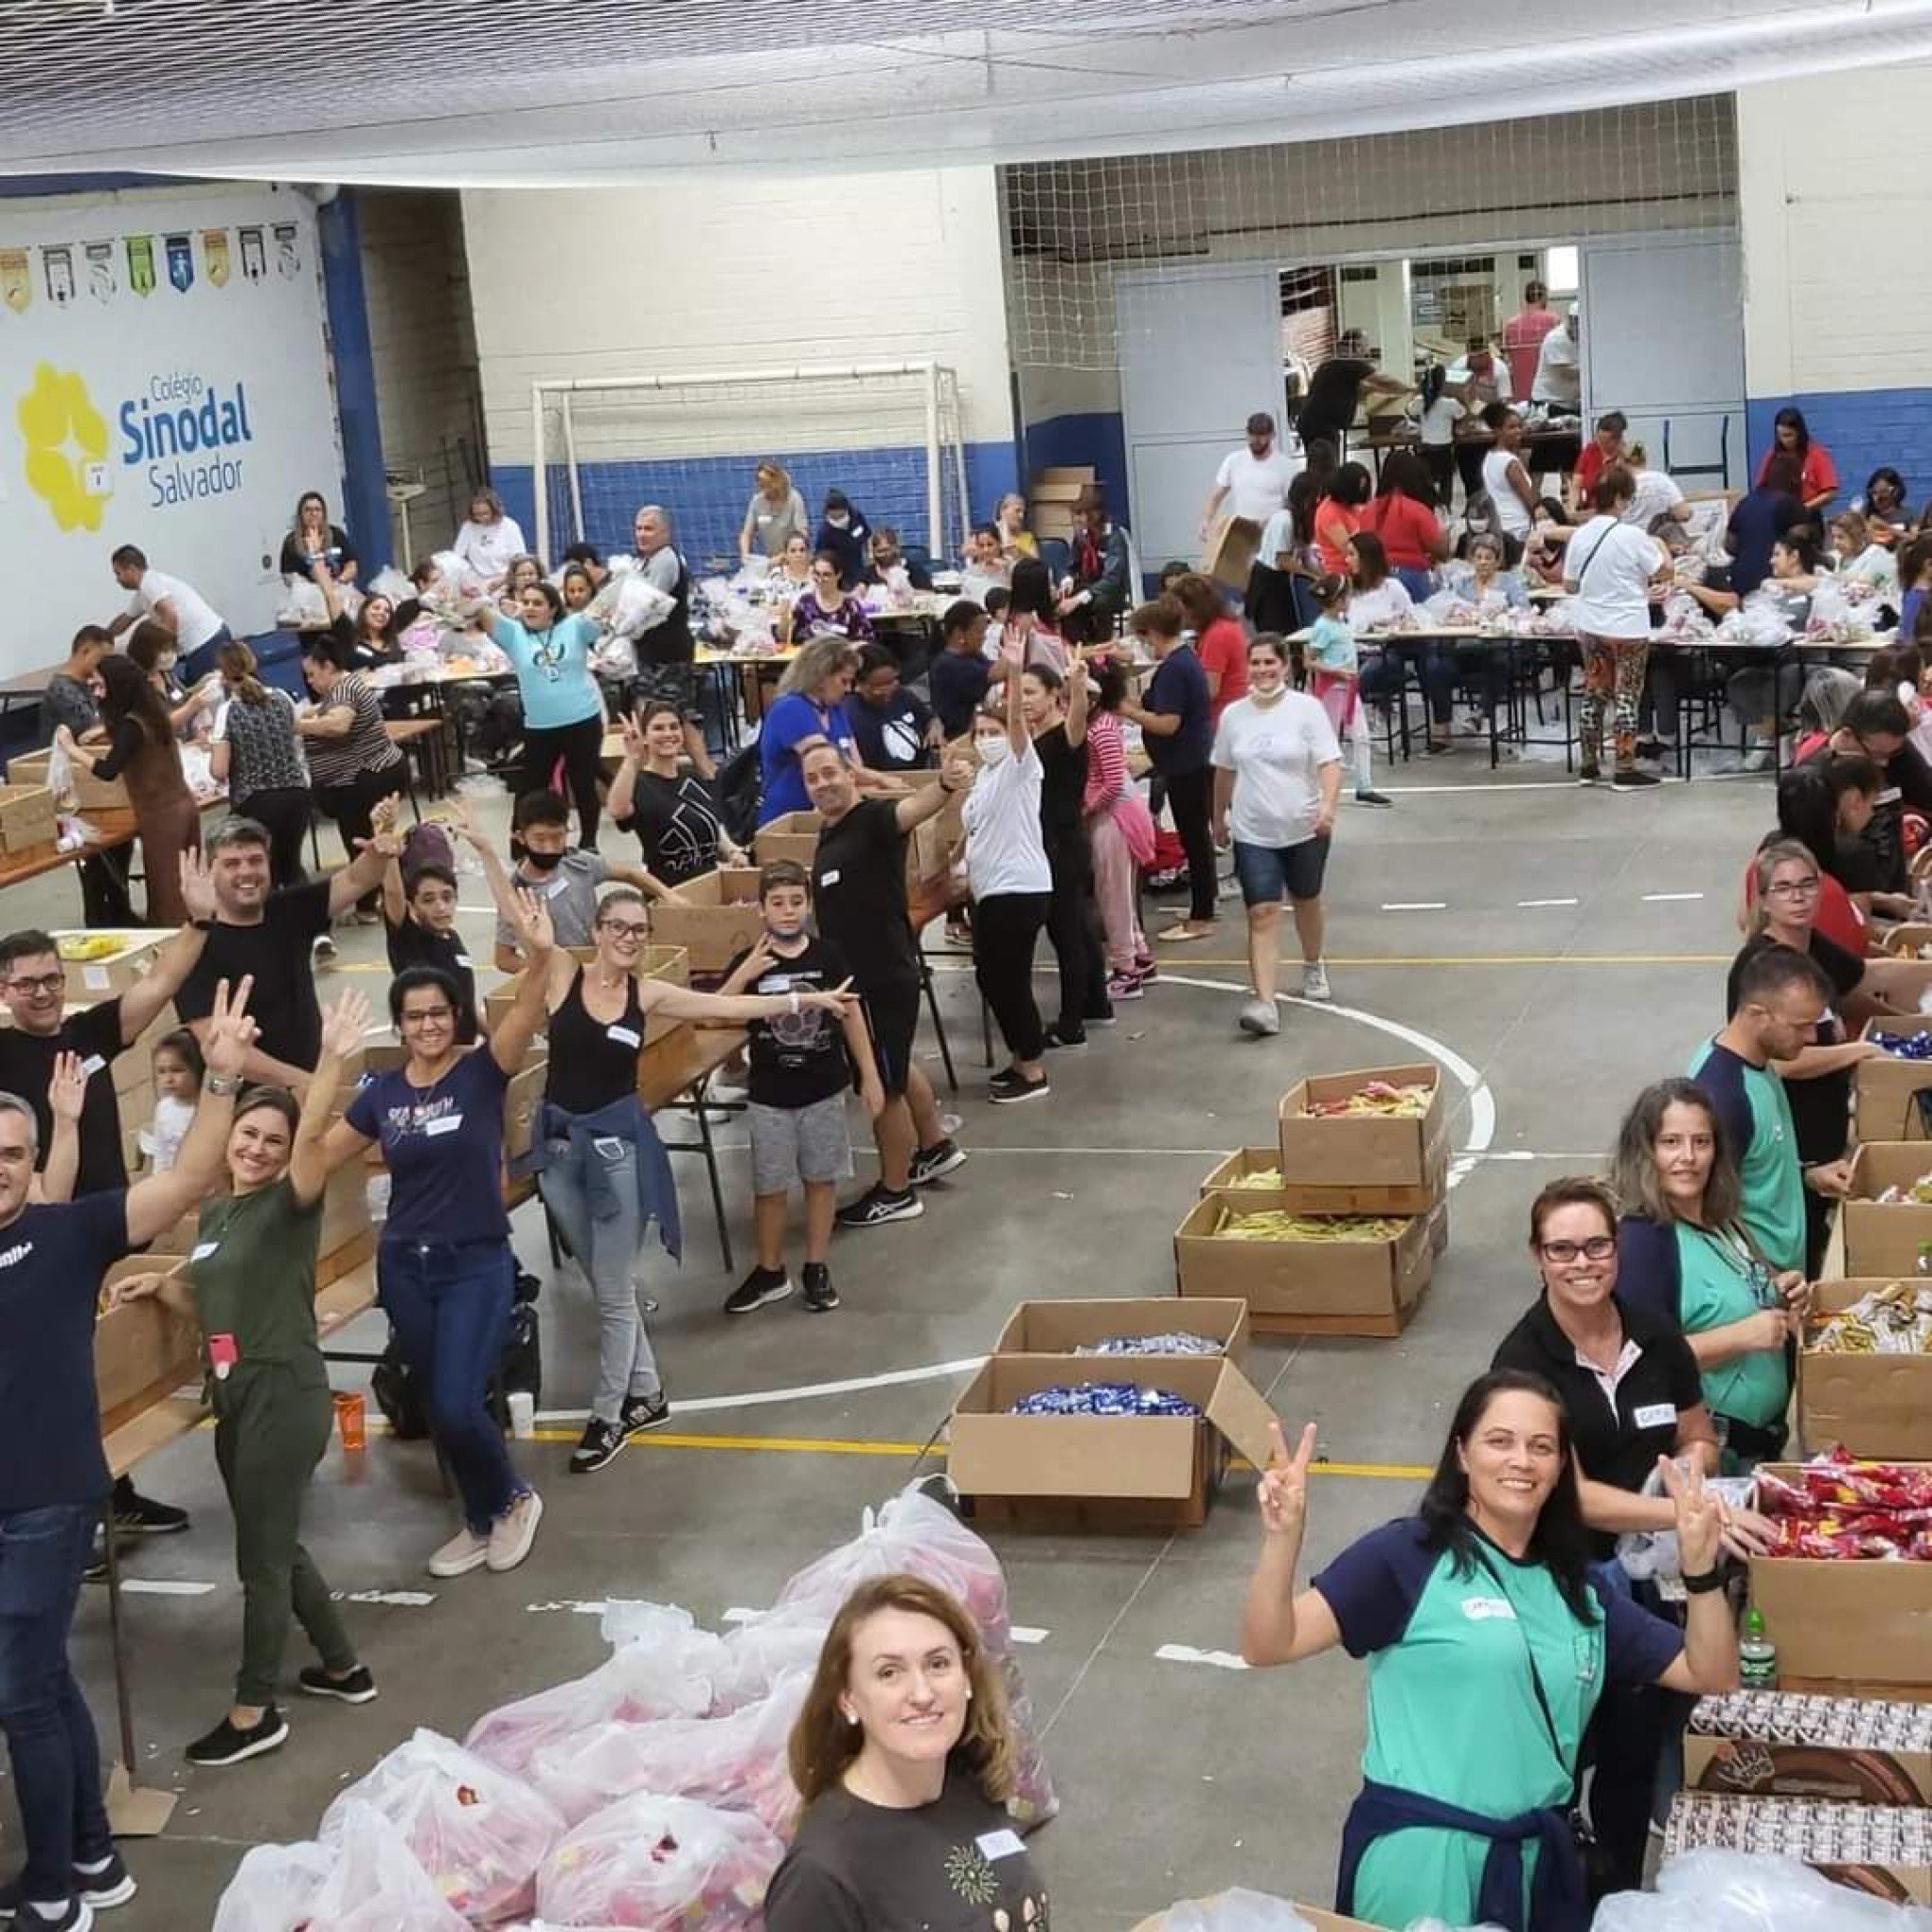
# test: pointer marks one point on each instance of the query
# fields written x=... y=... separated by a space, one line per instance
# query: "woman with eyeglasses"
x=826 y=611
x=603 y=1171
x=1484 y=1622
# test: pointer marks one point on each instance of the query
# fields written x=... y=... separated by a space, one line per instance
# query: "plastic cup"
x=352 y=1422
x=523 y=1414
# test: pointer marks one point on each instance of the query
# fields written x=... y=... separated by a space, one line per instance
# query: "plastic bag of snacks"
x=629 y=604
x=1839 y=1507
x=274 y=1887
x=1739 y=1891
x=662 y=1864
x=1239 y=1910
x=736 y=1763
x=366 y=1880
x=766 y=1649
x=663 y=1666
x=477 y=1831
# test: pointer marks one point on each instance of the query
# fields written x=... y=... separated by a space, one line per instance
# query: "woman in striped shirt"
x=353 y=762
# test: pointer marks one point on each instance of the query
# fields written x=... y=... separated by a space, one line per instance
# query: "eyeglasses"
x=1793 y=888
x=825 y=576
x=624 y=929
x=1600 y=1247
x=44 y=982
x=428 y=1016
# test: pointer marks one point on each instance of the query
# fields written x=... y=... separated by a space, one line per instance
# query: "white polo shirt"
x=195 y=619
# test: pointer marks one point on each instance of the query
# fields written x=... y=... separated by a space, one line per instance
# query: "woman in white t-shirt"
x=489 y=542
x=1610 y=567
x=1503 y=478
x=1278 y=776
x=1656 y=494
x=1444 y=405
x=1013 y=887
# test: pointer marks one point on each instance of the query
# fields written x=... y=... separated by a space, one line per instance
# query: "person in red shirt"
x=1338 y=516
x=1523 y=334
x=1604 y=448
x=1404 y=516
x=1221 y=639
x=1818 y=475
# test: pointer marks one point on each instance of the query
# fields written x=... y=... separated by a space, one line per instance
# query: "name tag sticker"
x=97 y=979
x=447 y=1125
x=463 y=960
x=202 y=1250
x=555 y=887
x=830 y=878
x=1486 y=1609
x=1655 y=1415
x=92 y=1065
x=624 y=1036
x=1000 y=1845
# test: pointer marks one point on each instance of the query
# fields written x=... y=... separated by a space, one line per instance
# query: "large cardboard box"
x=142 y=1352
x=1804 y=1830
x=714 y=918
x=1063 y=1328
x=1371 y=1164
x=109 y=794
x=1848 y=1628
x=1307 y=1287
x=1756 y=1768
x=1877 y=1405
x=345 y=1209
x=1233 y=548
x=1909 y=941
x=1883 y=1107
x=29 y=822
x=90 y=981
x=1171 y=1460
x=1321 y=1921
x=1871 y=1238
x=1225 y=1181
x=520 y=1105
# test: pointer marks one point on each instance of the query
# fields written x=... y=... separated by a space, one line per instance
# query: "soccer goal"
x=889 y=435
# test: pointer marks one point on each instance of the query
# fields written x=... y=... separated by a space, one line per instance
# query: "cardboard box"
x=1799 y=1828
x=142 y=1352
x=90 y=981
x=1319 y=1920
x=795 y=835
x=345 y=1209
x=1907 y=943
x=1871 y=1239
x=30 y=821
x=1233 y=548
x=1063 y=1328
x=1848 y=1628
x=1878 y=1406
x=1302 y=1197
x=1175 y=1461
x=1084 y=473
x=90 y=794
x=717 y=918
x=1755 y=1768
x=1307 y=1287
x=1371 y=1164
x=520 y=1106
x=1881 y=1104
x=791 y=835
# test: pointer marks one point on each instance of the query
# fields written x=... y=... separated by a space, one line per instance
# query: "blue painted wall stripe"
x=365 y=509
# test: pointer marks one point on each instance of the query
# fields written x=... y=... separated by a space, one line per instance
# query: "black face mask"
x=542 y=862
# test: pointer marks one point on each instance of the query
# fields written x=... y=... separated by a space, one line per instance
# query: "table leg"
x=711 y=1170
x=133 y=1810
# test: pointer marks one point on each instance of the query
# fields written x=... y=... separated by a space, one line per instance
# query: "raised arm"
x=1709 y=1661
x=395 y=902
x=622 y=794
x=1280 y=1626
x=364 y=872
x=928 y=801
x=510 y=1042
x=503 y=889
x=1017 y=734
x=66 y=1096
x=717 y=1009
x=1076 y=695
x=320 y=1149
x=142 y=1003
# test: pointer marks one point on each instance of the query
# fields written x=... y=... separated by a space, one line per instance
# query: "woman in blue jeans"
x=444 y=1273
x=601 y=1168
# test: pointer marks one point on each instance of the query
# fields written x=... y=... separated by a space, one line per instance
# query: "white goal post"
x=890 y=434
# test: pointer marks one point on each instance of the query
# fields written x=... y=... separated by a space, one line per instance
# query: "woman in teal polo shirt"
x=1686 y=1257
x=563 y=713
x=1489 y=1645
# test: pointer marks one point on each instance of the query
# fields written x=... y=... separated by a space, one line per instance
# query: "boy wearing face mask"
x=801 y=1064
x=567 y=881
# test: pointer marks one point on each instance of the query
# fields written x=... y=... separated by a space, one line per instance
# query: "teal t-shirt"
x=1453 y=1711
x=552 y=670
x=1717 y=1289
x=1756 y=1112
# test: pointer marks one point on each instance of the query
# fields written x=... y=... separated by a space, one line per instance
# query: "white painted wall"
x=722 y=274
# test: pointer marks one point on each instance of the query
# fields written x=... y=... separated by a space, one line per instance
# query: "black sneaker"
x=104 y=1886
x=929 y=1163
x=1057 y=1035
x=820 y=1295
x=599 y=1444
x=878 y=1204
x=1003 y=1088
x=1367 y=797
x=224 y=1745
x=357 y=1687
x=137 y=1515
x=1628 y=778
x=641 y=1412
x=16 y=1909
x=760 y=1286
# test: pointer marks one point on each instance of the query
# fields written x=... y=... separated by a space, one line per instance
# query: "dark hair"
x=146 y=643
x=997 y=597
x=1778 y=969
x=1434 y=380
x=1269 y=640
x=1372 y=560
x=659 y=707
x=1872 y=711
x=1614 y=420
x=129 y=556
x=431 y=869
x=1792 y=419
x=1321 y=454
x=549 y=593
x=1171 y=572
x=1161 y=616
x=1350 y=485
x=837 y=499
x=539 y=807
x=887 y=531
x=1553 y=510
x=322 y=647
x=876 y=657
x=980 y=530
x=413 y=980
x=1914 y=555
x=1615 y=486
x=1634 y=1165
x=1784 y=473
x=27 y=943
x=1044 y=675
x=1802 y=545
x=1328 y=589
x=423 y=573
x=1807 y=812
x=90 y=634
x=1404 y=473
x=1851 y=771
x=782 y=872
x=584 y=553
x=1110 y=682
x=1896 y=664
x=1535 y=292
x=1885 y=474
x=1033 y=588
x=127 y=693
x=1495 y=414
x=959 y=617
x=183 y=1044
x=1571 y=1191
x=1559 y=1542
x=235 y=831
x=1199 y=598
x=275 y=1099
x=1261 y=424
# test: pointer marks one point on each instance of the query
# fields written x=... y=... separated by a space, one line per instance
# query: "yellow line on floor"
x=1485 y=959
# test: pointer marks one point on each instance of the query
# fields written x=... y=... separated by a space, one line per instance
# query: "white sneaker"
x=1314 y=982
x=462 y=1553
x=1260 y=1018
x=512 y=1534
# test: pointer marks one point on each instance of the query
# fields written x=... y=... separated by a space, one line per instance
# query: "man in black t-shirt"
x=1334 y=391
x=858 y=884
x=270 y=936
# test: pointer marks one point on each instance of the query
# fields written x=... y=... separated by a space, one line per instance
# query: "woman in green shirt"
x=1685 y=1255
x=250 y=1282
x=1480 y=1621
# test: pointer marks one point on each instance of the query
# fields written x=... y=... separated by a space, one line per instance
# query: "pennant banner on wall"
x=180 y=262
x=16 y=282
x=57 y=264
x=288 y=251
x=254 y=254
x=215 y=255
x=100 y=283
x=141 y=265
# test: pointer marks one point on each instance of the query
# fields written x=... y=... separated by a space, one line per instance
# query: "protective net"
x=888 y=437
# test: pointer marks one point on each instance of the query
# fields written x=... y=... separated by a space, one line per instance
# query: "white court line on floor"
x=404 y=1600
x=1187 y=1653
x=1663 y=898
x=1544 y=901
x=758 y=1398
x=577 y=1606
x=163 y=1587
x=1415 y=906
x=1498 y=791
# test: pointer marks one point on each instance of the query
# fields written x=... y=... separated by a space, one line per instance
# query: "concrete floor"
x=1178 y=1779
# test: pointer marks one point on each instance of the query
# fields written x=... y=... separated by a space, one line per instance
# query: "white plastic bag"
x=60 y=775
x=301 y=606
x=274 y=1887
x=477 y=1831
x=661 y=1864
x=630 y=604
x=1738 y=1891
x=764 y=1650
x=390 y=582
x=1236 y=1911
x=376 y=1884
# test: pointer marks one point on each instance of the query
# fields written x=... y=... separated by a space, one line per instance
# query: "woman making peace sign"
x=1482 y=1622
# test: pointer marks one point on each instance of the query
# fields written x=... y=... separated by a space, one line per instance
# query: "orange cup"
x=351 y=1421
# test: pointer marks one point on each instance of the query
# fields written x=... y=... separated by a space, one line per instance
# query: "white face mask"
x=992 y=750
x=837 y=519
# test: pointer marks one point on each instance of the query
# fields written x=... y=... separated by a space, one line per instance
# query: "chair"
x=1057 y=554
x=918 y=558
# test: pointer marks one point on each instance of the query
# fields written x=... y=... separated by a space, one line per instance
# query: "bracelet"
x=1702 y=1585
x=221 y=1086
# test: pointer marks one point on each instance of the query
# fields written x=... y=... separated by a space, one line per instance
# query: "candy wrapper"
x=1111 y=1399
x=1277 y=1223
x=1919 y=1190
x=1906 y=1045
x=662 y=1864
x=1894 y=1320
x=1151 y=1345
x=477 y=1831
x=1839 y=1508
x=1376 y=1099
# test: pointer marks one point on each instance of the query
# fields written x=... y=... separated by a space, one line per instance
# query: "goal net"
x=888 y=436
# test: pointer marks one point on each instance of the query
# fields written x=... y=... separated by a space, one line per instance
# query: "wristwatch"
x=221 y=1086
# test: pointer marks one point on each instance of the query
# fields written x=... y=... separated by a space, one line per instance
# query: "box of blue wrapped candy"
x=1884 y=1090
x=1092 y=1448
x=1160 y=1325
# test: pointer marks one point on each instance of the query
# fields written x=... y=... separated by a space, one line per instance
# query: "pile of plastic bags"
x=654 y=1791
x=1738 y=1891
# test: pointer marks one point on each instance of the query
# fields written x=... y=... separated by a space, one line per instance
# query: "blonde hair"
x=1778 y=852
x=817 y=660
x=776 y=473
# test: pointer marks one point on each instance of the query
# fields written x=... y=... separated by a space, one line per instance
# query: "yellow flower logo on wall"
x=65 y=433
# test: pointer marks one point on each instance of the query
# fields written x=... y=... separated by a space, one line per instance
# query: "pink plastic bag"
x=477 y=1831
x=663 y=1865
x=736 y=1763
